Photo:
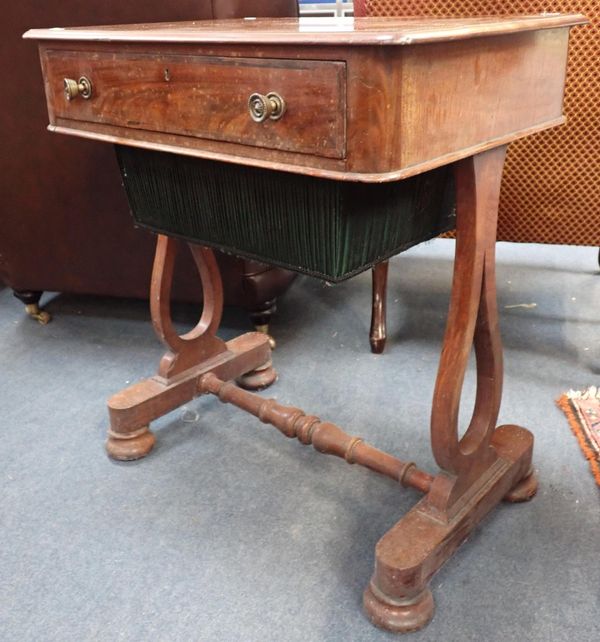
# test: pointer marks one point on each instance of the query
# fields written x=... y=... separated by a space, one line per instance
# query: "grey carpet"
x=229 y=531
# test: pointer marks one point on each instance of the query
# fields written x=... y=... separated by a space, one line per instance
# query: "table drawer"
x=206 y=97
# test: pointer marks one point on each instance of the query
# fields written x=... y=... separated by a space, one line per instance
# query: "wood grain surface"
x=206 y=97
x=451 y=90
x=448 y=89
x=346 y=31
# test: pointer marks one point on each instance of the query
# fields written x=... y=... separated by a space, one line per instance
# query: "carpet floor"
x=228 y=531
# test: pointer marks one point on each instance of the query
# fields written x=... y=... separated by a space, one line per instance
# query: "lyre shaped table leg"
x=472 y=321
x=200 y=343
x=188 y=358
x=482 y=467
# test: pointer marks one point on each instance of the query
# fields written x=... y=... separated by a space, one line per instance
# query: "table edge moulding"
x=405 y=119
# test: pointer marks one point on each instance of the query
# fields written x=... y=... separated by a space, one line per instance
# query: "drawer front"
x=206 y=97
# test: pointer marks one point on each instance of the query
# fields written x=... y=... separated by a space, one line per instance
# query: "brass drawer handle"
x=262 y=107
x=74 y=88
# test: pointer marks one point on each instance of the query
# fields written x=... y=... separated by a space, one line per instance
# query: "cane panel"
x=551 y=186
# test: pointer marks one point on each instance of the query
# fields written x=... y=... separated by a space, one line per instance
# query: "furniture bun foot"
x=398 y=616
x=130 y=446
x=524 y=490
x=259 y=378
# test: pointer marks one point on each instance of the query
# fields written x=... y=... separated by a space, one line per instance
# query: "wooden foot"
x=377 y=345
x=259 y=378
x=524 y=490
x=189 y=358
x=407 y=556
x=130 y=446
x=378 y=333
x=401 y=616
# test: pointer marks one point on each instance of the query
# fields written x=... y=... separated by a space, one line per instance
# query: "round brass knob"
x=74 y=88
x=262 y=107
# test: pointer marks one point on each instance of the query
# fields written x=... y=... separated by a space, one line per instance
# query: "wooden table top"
x=324 y=31
x=354 y=106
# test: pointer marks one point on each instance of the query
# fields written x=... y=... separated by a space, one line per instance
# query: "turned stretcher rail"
x=325 y=437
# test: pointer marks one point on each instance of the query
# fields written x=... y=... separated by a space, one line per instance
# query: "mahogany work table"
x=324 y=145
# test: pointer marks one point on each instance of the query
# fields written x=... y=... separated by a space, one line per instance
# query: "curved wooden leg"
x=378 y=332
x=487 y=463
x=189 y=356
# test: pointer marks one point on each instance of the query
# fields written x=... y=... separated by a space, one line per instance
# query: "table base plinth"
x=398 y=597
x=131 y=410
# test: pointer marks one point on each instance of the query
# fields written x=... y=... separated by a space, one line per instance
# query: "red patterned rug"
x=582 y=408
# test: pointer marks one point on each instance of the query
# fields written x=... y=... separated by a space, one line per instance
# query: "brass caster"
x=41 y=316
x=264 y=329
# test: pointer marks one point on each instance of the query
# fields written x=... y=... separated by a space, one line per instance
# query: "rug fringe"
x=564 y=404
x=592 y=392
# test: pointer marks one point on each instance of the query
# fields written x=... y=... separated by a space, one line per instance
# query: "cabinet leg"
x=261 y=318
x=378 y=333
x=524 y=490
x=398 y=615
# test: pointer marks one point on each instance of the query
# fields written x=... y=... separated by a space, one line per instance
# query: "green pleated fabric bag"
x=325 y=228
